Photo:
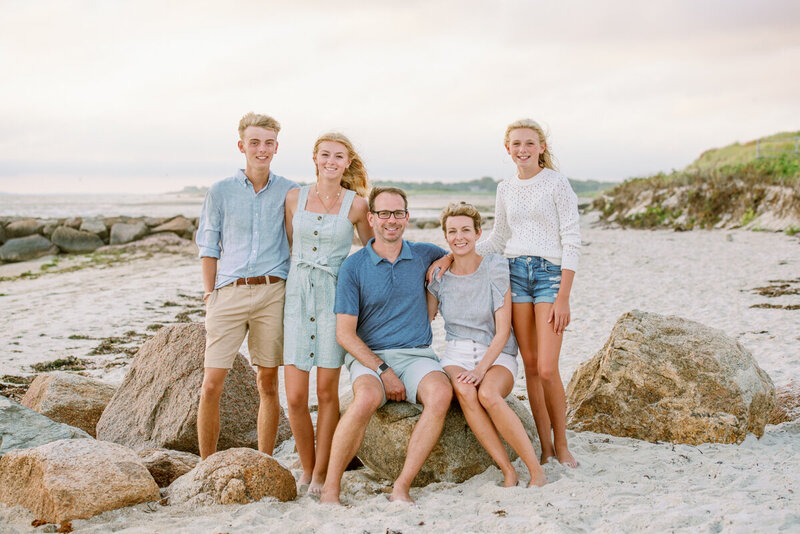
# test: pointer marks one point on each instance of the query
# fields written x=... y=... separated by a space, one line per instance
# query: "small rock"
x=166 y=465
x=73 y=222
x=669 y=379
x=74 y=479
x=27 y=248
x=3 y=236
x=23 y=228
x=125 y=233
x=155 y=221
x=68 y=398
x=75 y=241
x=234 y=476
x=22 y=428
x=95 y=226
x=180 y=226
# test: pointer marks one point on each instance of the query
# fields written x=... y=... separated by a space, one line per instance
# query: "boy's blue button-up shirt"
x=244 y=229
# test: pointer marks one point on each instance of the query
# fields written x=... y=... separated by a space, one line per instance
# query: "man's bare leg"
x=367 y=398
x=434 y=393
x=208 y=410
x=269 y=408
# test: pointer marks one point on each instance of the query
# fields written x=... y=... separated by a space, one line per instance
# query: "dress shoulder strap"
x=302 y=198
x=347 y=201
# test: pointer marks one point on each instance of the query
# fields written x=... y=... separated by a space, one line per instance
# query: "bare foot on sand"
x=401 y=495
x=315 y=488
x=537 y=479
x=302 y=482
x=546 y=458
x=566 y=458
x=510 y=479
x=329 y=496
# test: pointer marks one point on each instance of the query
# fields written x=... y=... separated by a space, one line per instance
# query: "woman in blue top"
x=481 y=356
x=319 y=224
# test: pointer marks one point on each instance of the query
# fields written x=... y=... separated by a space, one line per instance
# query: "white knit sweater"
x=536 y=217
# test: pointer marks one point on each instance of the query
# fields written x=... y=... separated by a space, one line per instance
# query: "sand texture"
x=622 y=484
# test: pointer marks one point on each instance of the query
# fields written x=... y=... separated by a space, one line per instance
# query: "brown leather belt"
x=256 y=280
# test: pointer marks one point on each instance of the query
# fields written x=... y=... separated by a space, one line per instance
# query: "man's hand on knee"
x=393 y=386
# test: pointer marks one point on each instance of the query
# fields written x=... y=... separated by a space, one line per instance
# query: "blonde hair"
x=355 y=176
x=545 y=158
x=262 y=121
x=457 y=209
x=377 y=190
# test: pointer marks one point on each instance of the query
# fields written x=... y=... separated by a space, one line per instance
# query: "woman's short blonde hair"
x=355 y=176
x=262 y=121
x=457 y=209
x=545 y=158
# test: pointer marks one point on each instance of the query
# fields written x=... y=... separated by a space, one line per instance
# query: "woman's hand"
x=442 y=263
x=473 y=377
x=559 y=314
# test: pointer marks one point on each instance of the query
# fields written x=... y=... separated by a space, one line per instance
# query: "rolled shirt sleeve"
x=210 y=227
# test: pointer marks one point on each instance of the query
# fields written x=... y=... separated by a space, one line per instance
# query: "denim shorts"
x=533 y=279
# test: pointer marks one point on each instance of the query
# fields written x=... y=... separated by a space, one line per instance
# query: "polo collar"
x=405 y=252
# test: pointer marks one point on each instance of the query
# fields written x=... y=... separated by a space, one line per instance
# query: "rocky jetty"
x=669 y=379
x=28 y=238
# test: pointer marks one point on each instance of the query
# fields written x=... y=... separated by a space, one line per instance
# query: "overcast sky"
x=113 y=96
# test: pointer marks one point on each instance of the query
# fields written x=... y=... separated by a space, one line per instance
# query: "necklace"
x=335 y=201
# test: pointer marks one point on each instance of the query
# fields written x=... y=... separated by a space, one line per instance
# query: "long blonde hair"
x=355 y=176
x=545 y=158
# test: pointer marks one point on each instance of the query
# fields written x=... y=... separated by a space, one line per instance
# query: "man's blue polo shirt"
x=388 y=298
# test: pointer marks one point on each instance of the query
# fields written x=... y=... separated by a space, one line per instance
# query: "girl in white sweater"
x=536 y=229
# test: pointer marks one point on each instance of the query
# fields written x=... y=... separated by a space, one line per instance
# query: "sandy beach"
x=621 y=484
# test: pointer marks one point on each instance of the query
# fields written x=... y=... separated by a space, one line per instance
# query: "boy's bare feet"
x=537 y=479
x=400 y=494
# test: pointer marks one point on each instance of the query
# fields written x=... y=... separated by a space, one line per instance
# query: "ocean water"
x=172 y=204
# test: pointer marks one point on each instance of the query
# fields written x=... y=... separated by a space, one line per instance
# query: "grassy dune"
x=724 y=188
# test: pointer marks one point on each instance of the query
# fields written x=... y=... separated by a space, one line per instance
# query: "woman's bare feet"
x=510 y=478
x=315 y=488
x=566 y=458
x=303 y=482
x=537 y=479
x=546 y=457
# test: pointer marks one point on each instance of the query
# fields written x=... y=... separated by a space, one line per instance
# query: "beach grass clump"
x=70 y=363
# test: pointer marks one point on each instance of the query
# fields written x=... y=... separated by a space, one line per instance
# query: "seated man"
x=382 y=322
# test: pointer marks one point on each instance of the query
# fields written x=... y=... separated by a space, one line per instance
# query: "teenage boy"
x=244 y=257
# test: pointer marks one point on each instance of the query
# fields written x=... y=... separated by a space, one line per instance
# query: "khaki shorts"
x=233 y=310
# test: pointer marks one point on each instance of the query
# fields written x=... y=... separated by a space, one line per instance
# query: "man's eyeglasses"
x=385 y=214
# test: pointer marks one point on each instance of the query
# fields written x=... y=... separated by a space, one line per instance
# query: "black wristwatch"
x=382 y=368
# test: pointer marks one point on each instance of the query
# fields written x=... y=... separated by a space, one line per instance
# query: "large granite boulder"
x=68 y=398
x=76 y=241
x=234 y=476
x=22 y=428
x=27 y=248
x=125 y=233
x=456 y=457
x=95 y=226
x=23 y=228
x=74 y=479
x=787 y=403
x=166 y=465
x=668 y=379
x=179 y=225
x=156 y=404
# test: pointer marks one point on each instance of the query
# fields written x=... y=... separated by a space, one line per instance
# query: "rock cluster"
x=156 y=404
x=27 y=238
x=457 y=456
x=669 y=379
